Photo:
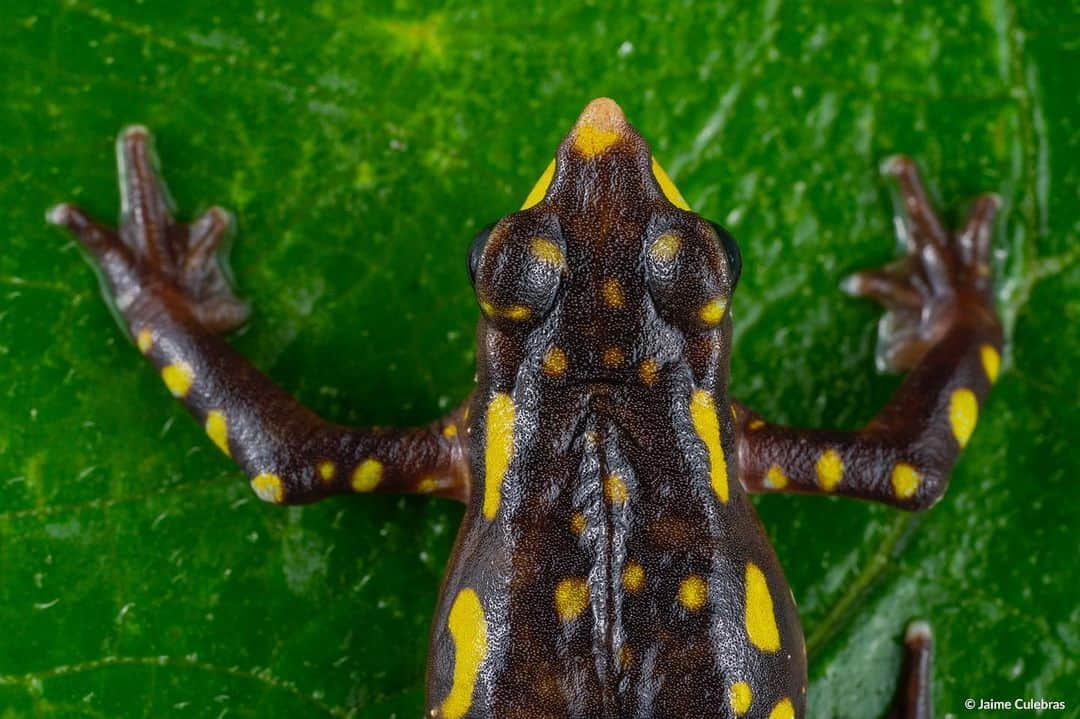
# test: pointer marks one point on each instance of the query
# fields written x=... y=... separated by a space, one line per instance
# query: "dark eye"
x=476 y=249
x=731 y=250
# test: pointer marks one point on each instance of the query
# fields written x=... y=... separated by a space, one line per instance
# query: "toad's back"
x=609 y=564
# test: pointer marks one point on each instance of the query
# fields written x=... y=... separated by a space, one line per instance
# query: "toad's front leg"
x=167 y=283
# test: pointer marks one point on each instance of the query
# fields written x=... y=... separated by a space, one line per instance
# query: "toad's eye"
x=731 y=249
x=517 y=267
x=691 y=269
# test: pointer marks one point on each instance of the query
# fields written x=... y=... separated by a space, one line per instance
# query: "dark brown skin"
x=610 y=563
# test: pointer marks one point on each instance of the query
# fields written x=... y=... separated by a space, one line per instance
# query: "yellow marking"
x=734 y=413
x=633 y=577
x=713 y=311
x=547 y=251
x=666 y=247
x=577 y=523
x=367 y=475
x=668 y=187
x=571 y=598
x=554 y=362
x=488 y=308
x=541 y=187
x=963 y=414
x=905 y=480
x=591 y=141
x=612 y=357
x=741 y=697
x=756 y=424
x=775 y=478
x=145 y=340
x=449 y=431
x=760 y=619
x=648 y=370
x=703 y=415
x=517 y=313
x=626 y=655
x=991 y=361
x=427 y=485
x=469 y=631
x=217 y=428
x=499 y=446
x=268 y=488
x=692 y=592
x=327 y=470
x=830 y=469
x=783 y=710
x=178 y=378
x=613 y=294
x=615 y=489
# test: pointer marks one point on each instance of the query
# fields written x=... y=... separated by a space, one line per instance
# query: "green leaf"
x=361 y=147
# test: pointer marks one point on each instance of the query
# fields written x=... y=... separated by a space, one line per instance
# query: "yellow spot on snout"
x=615 y=489
x=991 y=361
x=713 y=311
x=540 y=188
x=498 y=449
x=666 y=247
x=554 y=362
x=633 y=577
x=692 y=592
x=648 y=371
x=830 y=469
x=178 y=378
x=963 y=414
x=741 y=697
x=547 y=251
x=217 y=428
x=775 y=478
x=145 y=340
x=613 y=294
x=268 y=488
x=469 y=631
x=600 y=126
x=668 y=187
x=905 y=480
x=327 y=470
x=760 y=618
x=367 y=475
x=783 y=710
x=571 y=598
x=703 y=415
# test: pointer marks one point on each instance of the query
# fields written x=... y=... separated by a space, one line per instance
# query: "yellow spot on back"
x=666 y=247
x=648 y=371
x=517 y=313
x=367 y=475
x=449 y=431
x=740 y=697
x=488 y=308
x=760 y=618
x=327 y=470
x=613 y=294
x=540 y=188
x=571 y=598
x=905 y=480
x=577 y=523
x=703 y=415
x=692 y=592
x=268 y=488
x=547 y=251
x=145 y=340
x=783 y=710
x=775 y=478
x=178 y=378
x=963 y=414
x=554 y=362
x=217 y=428
x=668 y=187
x=830 y=469
x=713 y=311
x=469 y=631
x=633 y=577
x=615 y=489
x=991 y=361
x=612 y=357
x=498 y=448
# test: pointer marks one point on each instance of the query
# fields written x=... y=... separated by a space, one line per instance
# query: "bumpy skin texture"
x=610 y=563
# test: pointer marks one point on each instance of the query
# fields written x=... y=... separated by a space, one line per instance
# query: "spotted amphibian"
x=610 y=563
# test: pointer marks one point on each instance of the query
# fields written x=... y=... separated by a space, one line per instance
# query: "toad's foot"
x=943 y=281
x=152 y=255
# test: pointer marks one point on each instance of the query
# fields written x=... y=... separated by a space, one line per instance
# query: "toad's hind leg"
x=165 y=280
x=913 y=693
